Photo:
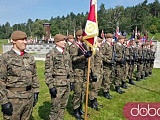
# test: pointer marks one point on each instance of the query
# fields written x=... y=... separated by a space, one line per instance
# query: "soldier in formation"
x=58 y=68
x=19 y=86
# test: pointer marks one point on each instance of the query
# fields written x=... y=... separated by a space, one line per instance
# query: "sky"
x=19 y=11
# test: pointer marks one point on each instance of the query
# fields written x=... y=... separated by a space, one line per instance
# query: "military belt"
x=15 y=89
x=60 y=76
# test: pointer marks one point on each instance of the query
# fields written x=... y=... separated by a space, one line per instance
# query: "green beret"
x=59 y=37
x=18 y=35
x=79 y=33
x=109 y=35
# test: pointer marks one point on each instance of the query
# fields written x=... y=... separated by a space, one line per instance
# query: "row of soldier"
x=65 y=70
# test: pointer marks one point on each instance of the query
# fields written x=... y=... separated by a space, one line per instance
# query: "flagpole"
x=87 y=89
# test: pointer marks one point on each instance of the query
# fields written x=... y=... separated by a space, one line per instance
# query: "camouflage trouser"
x=119 y=74
x=78 y=92
x=144 y=67
x=22 y=109
x=151 y=66
x=95 y=86
x=107 y=78
x=59 y=103
x=131 y=70
x=126 y=72
x=147 y=68
x=139 y=70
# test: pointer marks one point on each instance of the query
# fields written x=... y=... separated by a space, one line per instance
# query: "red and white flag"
x=91 y=29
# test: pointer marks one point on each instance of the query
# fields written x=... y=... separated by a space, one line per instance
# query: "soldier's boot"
x=124 y=85
x=119 y=90
x=77 y=114
x=142 y=76
x=98 y=103
x=146 y=74
x=94 y=105
x=131 y=82
x=137 y=79
x=150 y=72
x=81 y=111
x=107 y=95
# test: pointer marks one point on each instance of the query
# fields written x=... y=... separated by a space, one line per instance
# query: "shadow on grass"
x=44 y=111
x=147 y=89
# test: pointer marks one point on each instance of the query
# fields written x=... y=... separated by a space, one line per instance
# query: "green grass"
x=145 y=91
x=2 y=42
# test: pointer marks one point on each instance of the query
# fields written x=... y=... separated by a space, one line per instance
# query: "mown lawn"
x=147 y=90
x=2 y=42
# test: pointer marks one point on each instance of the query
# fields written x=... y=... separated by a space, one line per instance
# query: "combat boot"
x=142 y=76
x=137 y=79
x=119 y=90
x=93 y=104
x=107 y=95
x=80 y=110
x=146 y=74
x=124 y=85
x=131 y=82
x=150 y=72
x=77 y=114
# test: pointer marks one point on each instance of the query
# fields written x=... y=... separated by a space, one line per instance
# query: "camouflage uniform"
x=97 y=69
x=107 y=51
x=18 y=84
x=152 y=58
x=58 y=67
x=128 y=62
x=120 y=66
x=79 y=63
x=140 y=63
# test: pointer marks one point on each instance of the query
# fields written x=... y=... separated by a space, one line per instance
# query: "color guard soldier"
x=79 y=55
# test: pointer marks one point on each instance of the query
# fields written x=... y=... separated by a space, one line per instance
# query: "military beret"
x=99 y=39
x=79 y=32
x=18 y=35
x=109 y=35
x=70 y=37
x=121 y=37
x=59 y=37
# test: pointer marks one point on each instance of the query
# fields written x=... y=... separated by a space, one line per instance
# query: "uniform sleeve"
x=74 y=54
x=3 y=79
x=35 y=78
x=49 y=70
x=119 y=53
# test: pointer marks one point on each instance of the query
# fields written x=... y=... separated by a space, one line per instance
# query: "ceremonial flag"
x=90 y=38
x=91 y=28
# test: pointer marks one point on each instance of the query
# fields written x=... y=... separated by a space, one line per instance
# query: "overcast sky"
x=19 y=11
